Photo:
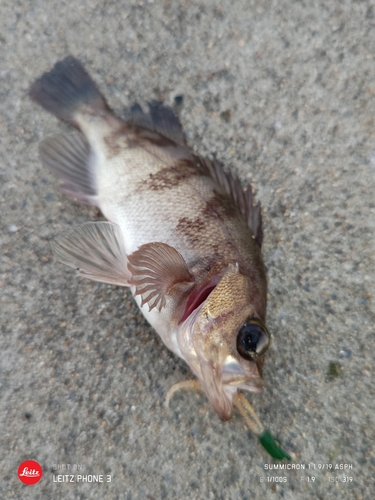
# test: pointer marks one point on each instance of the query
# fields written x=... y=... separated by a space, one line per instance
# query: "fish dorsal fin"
x=160 y=119
x=156 y=269
x=70 y=158
x=243 y=199
x=96 y=251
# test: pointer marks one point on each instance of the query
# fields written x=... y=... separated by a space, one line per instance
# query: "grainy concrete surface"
x=284 y=93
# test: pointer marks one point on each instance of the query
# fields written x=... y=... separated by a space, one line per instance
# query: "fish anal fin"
x=96 y=251
x=157 y=269
x=70 y=158
x=243 y=199
x=160 y=119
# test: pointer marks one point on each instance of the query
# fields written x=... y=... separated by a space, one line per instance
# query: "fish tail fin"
x=66 y=90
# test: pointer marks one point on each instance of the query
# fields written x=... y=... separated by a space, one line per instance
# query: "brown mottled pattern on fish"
x=222 y=205
x=181 y=233
x=191 y=229
x=114 y=142
x=172 y=176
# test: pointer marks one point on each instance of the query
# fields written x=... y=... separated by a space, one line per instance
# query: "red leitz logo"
x=30 y=472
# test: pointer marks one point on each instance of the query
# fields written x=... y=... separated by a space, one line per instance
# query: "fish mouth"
x=221 y=384
x=253 y=385
x=235 y=375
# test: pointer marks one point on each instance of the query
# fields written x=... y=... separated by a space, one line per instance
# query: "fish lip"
x=256 y=387
x=231 y=365
x=246 y=384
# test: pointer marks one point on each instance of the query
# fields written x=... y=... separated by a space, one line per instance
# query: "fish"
x=181 y=232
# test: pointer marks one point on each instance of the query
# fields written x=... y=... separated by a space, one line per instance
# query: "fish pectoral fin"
x=243 y=199
x=160 y=119
x=157 y=269
x=96 y=251
x=70 y=158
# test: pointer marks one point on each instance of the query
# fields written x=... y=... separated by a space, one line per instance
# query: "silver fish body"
x=182 y=234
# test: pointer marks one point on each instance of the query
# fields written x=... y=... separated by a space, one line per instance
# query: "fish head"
x=225 y=338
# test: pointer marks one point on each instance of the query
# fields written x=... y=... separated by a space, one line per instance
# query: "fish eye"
x=253 y=340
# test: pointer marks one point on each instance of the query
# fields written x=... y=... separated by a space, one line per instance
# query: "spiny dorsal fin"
x=156 y=269
x=242 y=198
x=160 y=119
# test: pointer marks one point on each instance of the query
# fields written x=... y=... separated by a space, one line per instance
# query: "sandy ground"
x=284 y=93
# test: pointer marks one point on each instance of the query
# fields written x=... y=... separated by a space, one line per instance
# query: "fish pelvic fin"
x=70 y=158
x=96 y=251
x=158 y=270
x=66 y=89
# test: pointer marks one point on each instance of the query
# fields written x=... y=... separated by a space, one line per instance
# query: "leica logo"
x=30 y=472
